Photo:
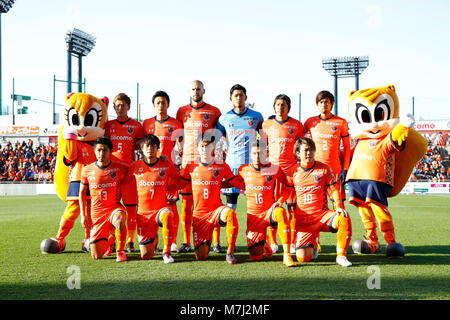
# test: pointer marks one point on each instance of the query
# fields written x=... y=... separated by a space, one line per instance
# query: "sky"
x=269 y=47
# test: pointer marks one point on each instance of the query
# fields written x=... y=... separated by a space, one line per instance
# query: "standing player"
x=263 y=209
x=150 y=176
x=168 y=130
x=281 y=132
x=239 y=126
x=209 y=212
x=125 y=134
x=313 y=181
x=104 y=180
x=327 y=131
x=196 y=117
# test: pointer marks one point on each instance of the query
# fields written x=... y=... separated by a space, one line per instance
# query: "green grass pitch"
x=422 y=226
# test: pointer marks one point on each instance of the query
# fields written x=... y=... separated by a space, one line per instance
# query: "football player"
x=125 y=134
x=313 y=181
x=281 y=132
x=150 y=177
x=239 y=126
x=209 y=212
x=104 y=180
x=196 y=117
x=169 y=132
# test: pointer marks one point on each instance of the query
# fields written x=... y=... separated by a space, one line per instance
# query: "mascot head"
x=373 y=112
x=85 y=115
x=83 y=120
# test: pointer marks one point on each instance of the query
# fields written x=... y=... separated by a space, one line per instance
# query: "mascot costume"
x=84 y=120
x=386 y=151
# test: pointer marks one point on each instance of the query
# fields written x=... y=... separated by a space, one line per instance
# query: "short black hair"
x=150 y=139
x=283 y=97
x=323 y=95
x=162 y=94
x=304 y=141
x=238 y=87
x=105 y=141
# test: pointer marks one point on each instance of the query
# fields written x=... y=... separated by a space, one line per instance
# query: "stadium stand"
x=435 y=165
x=24 y=162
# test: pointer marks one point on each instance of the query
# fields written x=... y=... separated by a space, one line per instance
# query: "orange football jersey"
x=166 y=130
x=311 y=189
x=104 y=185
x=281 y=137
x=151 y=183
x=196 y=120
x=125 y=136
x=373 y=159
x=260 y=185
x=206 y=181
x=327 y=135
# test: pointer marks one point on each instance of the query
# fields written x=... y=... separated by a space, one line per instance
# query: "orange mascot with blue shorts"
x=84 y=120
x=386 y=151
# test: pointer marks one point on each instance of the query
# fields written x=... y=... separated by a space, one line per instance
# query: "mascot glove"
x=407 y=120
x=70 y=133
x=342 y=176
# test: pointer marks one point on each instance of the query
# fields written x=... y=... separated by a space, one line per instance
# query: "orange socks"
x=166 y=218
x=186 y=217
x=121 y=236
x=131 y=222
x=232 y=229
x=216 y=235
x=279 y=215
x=272 y=233
x=344 y=234
x=176 y=220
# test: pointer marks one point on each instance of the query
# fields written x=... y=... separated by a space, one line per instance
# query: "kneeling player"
x=209 y=212
x=312 y=181
x=261 y=179
x=104 y=180
x=150 y=176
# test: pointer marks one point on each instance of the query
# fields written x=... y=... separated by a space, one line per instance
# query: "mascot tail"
x=61 y=177
x=415 y=148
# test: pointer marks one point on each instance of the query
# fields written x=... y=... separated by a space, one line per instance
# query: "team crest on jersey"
x=291 y=132
x=161 y=173
x=130 y=130
x=334 y=128
x=251 y=123
x=169 y=129
x=205 y=116
x=269 y=179
x=112 y=175
x=372 y=144
x=317 y=178
x=216 y=173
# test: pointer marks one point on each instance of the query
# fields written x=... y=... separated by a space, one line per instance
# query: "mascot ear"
x=105 y=100
x=391 y=86
x=69 y=95
x=351 y=93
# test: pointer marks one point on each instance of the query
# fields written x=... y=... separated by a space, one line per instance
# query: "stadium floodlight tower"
x=5 y=5
x=79 y=43
x=344 y=67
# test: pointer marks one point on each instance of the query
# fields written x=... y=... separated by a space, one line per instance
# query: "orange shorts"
x=307 y=232
x=101 y=223
x=147 y=225
x=203 y=226
x=257 y=227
